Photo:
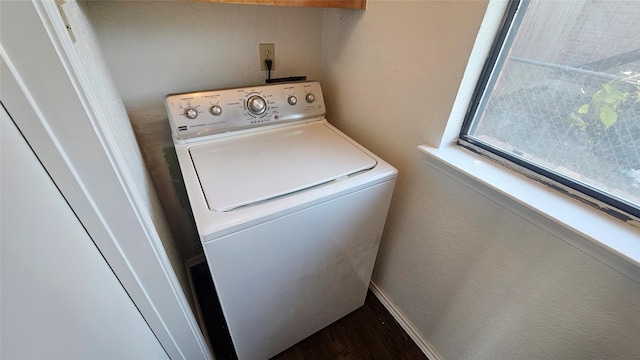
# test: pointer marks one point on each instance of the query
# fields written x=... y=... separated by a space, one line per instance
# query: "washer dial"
x=191 y=113
x=256 y=105
x=310 y=98
x=216 y=110
x=292 y=100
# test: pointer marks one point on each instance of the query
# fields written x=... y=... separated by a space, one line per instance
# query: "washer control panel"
x=216 y=111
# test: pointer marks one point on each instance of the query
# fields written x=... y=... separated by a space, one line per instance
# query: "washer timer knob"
x=310 y=98
x=292 y=100
x=256 y=105
x=191 y=113
x=216 y=110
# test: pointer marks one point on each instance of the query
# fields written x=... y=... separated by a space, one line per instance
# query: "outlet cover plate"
x=267 y=51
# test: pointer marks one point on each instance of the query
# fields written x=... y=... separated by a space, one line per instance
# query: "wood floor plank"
x=370 y=332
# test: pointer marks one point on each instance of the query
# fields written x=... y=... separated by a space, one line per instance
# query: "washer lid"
x=244 y=170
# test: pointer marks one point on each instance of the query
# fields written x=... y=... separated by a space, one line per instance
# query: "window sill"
x=602 y=236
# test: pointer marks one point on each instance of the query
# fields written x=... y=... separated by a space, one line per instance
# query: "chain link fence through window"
x=560 y=118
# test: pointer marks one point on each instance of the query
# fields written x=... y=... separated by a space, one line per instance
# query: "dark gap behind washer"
x=215 y=323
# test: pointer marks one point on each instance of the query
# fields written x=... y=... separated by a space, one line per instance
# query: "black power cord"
x=287 y=79
x=269 y=64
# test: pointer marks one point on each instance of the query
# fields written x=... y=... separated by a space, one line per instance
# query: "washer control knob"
x=191 y=113
x=310 y=98
x=256 y=105
x=292 y=100
x=216 y=110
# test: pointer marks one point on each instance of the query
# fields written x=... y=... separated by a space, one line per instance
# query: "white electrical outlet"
x=267 y=51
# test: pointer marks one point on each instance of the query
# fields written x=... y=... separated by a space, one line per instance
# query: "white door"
x=60 y=299
x=46 y=90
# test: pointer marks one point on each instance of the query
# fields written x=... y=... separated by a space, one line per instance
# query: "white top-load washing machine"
x=289 y=210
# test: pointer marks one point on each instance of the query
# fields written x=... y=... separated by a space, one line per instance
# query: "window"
x=560 y=98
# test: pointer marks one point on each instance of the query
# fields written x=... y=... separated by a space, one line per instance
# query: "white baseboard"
x=413 y=333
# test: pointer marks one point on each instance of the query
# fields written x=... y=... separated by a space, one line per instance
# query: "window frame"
x=605 y=238
x=511 y=21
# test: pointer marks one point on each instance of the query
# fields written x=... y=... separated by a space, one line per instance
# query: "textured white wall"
x=154 y=48
x=120 y=129
x=159 y=47
x=477 y=280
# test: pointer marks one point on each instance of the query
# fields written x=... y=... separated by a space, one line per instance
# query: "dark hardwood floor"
x=370 y=332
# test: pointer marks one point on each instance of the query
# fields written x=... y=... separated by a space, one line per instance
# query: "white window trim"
x=604 y=237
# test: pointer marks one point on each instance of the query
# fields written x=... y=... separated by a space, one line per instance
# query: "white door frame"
x=45 y=91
